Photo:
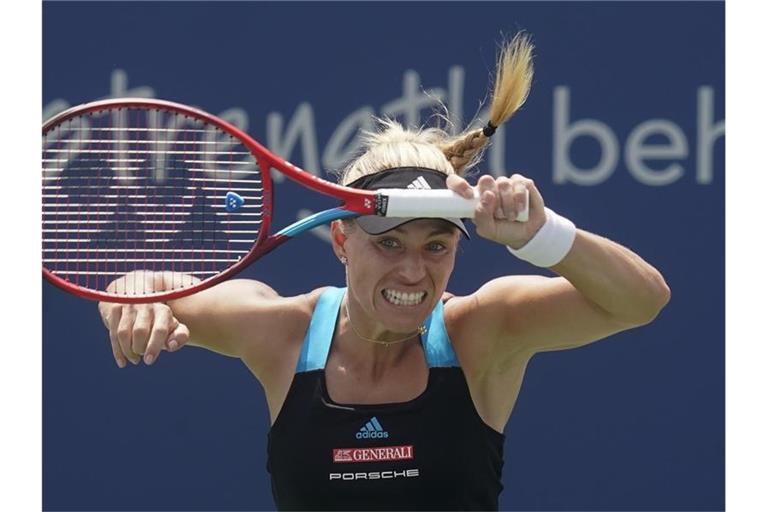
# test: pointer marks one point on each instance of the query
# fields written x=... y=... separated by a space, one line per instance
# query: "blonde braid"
x=514 y=73
x=463 y=151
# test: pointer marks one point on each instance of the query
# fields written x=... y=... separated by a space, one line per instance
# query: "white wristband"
x=550 y=244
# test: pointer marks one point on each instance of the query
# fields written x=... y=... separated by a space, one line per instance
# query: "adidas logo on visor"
x=419 y=183
x=372 y=429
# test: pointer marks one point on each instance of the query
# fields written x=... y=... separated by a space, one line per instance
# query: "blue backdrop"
x=623 y=133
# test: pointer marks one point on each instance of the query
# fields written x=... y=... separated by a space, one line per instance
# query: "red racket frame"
x=361 y=202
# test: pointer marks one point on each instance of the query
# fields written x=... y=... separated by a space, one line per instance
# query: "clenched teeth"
x=403 y=298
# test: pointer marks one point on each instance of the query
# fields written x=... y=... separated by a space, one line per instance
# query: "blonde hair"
x=393 y=146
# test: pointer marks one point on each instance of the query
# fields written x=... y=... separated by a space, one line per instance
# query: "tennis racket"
x=138 y=184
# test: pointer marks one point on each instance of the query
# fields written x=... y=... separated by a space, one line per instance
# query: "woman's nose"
x=412 y=267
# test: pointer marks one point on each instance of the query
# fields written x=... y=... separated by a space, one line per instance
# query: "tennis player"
x=391 y=393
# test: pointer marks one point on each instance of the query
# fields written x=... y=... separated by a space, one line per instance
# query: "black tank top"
x=431 y=453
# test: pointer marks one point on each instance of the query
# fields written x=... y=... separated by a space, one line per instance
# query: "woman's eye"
x=436 y=246
x=389 y=243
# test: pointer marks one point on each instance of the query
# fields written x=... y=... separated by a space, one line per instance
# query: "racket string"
x=140 y=189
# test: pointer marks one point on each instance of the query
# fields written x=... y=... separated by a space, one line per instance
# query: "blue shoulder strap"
x=317 y=342
x=437 y=345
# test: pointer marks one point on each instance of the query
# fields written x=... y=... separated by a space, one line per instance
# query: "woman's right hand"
x=137 y=330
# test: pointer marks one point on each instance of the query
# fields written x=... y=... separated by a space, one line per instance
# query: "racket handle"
x=435 y=203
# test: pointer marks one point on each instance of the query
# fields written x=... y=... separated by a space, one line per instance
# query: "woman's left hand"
x=501 y=199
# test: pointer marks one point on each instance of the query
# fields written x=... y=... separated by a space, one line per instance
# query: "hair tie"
x=489 y=129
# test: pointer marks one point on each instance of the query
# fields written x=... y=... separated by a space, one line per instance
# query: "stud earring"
x=343 y=260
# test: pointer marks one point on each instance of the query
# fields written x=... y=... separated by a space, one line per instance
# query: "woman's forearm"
x=614 y=278
x=146 y=281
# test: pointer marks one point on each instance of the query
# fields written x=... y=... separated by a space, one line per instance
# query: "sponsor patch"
x=374 y=454
x=375 y=475
x=372 y=430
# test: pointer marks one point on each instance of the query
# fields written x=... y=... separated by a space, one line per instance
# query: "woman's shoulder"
x=302 y=306
x=476 y=323
x=482 y=308
x=284 y=320
x=260 y=309
x=307 y=301
x=456 y=309
x=464 y=317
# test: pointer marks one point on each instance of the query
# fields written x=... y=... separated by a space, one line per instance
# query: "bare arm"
x=502 y=325
x=234 y=318
x=604 y=288
x=616 y=279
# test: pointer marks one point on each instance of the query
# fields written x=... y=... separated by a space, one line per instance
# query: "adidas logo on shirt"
x=372 y=430
x=419 y=183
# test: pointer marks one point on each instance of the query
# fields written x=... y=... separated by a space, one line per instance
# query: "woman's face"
x=397 y=277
